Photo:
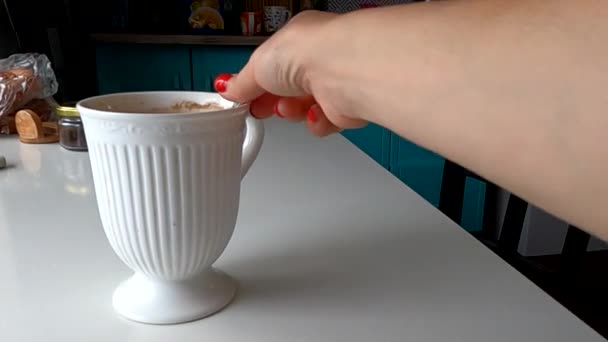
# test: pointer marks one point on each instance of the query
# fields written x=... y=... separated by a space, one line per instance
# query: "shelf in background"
x=178 y=39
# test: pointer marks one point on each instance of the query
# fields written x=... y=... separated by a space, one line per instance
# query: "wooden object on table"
x=41 y=107
x=32 y=130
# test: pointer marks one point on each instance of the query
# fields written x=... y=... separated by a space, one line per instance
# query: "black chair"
x=506 y=243
x=575 y=277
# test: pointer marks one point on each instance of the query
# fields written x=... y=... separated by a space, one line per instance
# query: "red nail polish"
x=310 y=115
x=276 y=110
x=220 y=82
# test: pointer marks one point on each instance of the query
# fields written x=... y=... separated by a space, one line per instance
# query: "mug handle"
x=287 y=15
x=254 y=137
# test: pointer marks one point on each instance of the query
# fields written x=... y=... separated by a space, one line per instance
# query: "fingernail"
x=276 y=110
x=310 y=115
x=220 y=82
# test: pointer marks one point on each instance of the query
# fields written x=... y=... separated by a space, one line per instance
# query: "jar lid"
x=66 y=111
x=69 y=120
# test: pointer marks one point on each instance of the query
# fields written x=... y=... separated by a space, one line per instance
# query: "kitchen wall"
x=8 y=40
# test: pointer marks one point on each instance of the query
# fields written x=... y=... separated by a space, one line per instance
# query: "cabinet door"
x=422 y=170
x=140 y=67
x=209 y=61
x=373 y=140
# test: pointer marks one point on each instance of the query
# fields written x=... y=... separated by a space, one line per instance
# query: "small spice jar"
x=71 y=130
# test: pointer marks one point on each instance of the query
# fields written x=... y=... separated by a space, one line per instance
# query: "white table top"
x=381 y=265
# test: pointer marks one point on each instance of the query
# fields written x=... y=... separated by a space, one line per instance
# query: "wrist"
x=335 y=65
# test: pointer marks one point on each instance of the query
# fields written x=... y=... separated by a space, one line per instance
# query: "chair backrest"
x=451 y=197
x=451 y=201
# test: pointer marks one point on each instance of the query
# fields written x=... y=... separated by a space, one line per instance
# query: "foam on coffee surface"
x=191 y=106
x=144 y=107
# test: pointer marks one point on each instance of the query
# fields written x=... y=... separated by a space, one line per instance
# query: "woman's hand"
x=284 y=77
x=496 y=86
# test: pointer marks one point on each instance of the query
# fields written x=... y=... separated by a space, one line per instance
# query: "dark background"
x=57 y=29
x=62 y=30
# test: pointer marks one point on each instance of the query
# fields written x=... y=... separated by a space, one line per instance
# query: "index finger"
x=241 y=87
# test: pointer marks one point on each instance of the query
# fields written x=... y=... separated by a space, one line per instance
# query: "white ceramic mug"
x=275 y=17
x=168 y=188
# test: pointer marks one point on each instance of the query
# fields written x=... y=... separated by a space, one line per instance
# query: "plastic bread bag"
x=25 y=80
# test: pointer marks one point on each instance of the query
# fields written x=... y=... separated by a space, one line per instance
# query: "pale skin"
x=514 y=90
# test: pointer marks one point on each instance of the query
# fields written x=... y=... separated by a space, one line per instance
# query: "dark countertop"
x=178 y=39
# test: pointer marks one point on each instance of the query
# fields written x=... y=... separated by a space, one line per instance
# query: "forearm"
x=513 y=90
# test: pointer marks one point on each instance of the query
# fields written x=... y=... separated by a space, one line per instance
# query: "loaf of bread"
x=26 y=81
x=17 y=87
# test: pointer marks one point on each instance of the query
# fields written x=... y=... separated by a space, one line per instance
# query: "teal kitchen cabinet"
x=473 y=206
x=209 y=61
x=422 y=170
x=373 y=140
x=140 y=67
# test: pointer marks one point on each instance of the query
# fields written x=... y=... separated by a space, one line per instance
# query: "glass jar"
x=71 y=130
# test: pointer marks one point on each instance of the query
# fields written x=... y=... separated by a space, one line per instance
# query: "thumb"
x=241 y=87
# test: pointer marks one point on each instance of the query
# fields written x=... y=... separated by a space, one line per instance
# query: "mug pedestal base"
x=150 y=301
